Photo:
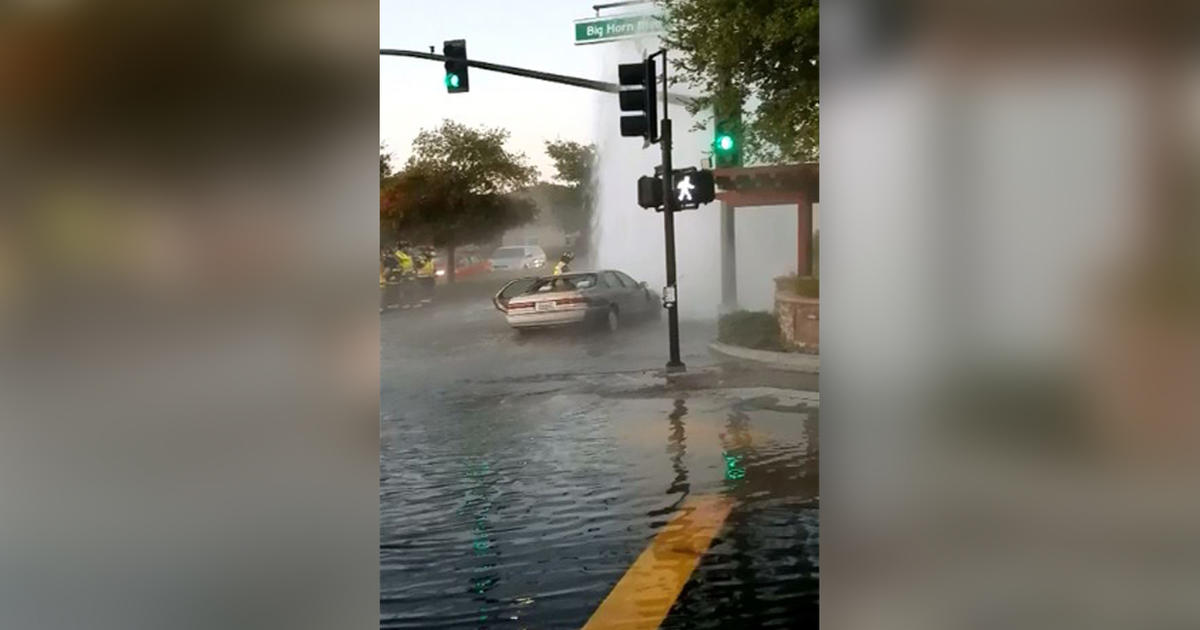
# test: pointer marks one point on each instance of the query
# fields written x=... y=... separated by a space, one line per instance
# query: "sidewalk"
x=785 y=361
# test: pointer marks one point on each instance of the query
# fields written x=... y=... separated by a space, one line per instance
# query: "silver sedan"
x=605 y=298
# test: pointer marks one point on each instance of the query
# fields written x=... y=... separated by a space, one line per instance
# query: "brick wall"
x=799 y=320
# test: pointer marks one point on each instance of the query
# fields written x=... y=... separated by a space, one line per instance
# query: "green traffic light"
x=725 y=142
x=451 y=80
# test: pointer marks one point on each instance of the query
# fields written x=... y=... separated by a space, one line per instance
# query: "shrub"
x=808 y=286
x=750 y=329
x=803 y=286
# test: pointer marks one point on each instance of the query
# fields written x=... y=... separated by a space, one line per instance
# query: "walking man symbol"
x=685 y=187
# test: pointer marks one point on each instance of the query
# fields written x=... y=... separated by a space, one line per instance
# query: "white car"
x=518 y=257
x=606 y=297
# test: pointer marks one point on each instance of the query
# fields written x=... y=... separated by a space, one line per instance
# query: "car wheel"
x=613 y=320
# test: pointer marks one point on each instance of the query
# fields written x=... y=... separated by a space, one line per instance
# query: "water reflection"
x=477 y=506
x=677 y=447
x=763 y=567
x=736 y=445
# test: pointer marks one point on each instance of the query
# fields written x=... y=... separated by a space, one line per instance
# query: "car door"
x=640 y=295
x=511 y=290
x=619 y=292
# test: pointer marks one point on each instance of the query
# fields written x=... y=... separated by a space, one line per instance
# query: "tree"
x=389 y=198
x=385 y=163
x=575 y=168
x=458 y=188
x=734 y=50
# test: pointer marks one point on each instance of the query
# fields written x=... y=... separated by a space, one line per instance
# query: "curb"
x=786 y=361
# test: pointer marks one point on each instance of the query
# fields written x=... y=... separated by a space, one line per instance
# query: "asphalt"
x=523 y=477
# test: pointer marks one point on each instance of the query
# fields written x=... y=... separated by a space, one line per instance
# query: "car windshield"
x=563 y=283
x=509 y=252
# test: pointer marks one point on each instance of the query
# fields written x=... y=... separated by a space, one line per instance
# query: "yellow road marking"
x=644 y=595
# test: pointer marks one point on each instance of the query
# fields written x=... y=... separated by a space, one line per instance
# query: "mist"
x=628 y=237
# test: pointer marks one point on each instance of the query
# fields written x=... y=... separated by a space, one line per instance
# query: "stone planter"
x=799 y=320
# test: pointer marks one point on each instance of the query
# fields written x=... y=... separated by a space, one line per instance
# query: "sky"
x=536 y=34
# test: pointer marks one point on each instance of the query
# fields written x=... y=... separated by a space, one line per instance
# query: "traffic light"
x=637 y=95
x=456 y=67
x=727 y=140
x=692 y=188
x=649 y=191
x=706 y=186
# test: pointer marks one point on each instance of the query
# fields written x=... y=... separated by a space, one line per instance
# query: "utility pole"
x=639 y=94
x=674 y=364
x=695 y=187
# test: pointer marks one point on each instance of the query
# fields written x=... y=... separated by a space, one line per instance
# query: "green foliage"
x=574 y=163
x=458 y=187
x=803 y=286
x=769 y=50
x=750 y=329
x=385 y=163
x=474 y=160
x=575 y=168
x=807 y=286
x=388 y=202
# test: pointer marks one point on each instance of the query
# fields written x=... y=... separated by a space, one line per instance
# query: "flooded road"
x=521 y=477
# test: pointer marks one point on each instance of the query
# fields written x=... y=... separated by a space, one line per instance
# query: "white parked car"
x=518 y=257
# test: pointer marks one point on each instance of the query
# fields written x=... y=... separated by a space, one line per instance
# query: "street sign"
x=610 y=29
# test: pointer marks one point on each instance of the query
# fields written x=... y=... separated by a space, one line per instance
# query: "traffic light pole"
x=674 y=364
x=591 y=84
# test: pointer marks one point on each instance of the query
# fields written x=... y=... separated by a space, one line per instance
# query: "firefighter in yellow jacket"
x=404 y=259
x=427 y=273
x=564 y=263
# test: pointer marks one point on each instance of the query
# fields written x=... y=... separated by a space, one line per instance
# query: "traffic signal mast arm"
x=601 y=86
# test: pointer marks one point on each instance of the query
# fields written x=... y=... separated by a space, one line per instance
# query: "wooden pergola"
x=765 y=186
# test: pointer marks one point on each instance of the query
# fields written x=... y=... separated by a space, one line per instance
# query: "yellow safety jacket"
x=427 y=269
x=406 y=262
x=560 y=268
